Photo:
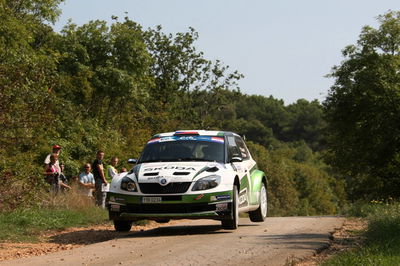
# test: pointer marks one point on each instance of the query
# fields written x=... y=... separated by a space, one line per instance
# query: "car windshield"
x=184 y=148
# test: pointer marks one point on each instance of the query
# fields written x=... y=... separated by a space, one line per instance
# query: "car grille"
x=171 y=188
x=169 y=208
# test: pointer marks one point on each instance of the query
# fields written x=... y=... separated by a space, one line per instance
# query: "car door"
x=248 y=162
x=242 y=170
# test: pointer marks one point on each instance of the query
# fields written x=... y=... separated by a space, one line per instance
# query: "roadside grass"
x=381 y=245
x=53 y=213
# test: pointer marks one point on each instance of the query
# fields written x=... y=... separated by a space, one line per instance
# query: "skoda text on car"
x=193 y=174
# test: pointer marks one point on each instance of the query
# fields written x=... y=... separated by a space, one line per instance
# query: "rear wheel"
x=233 y=222
x=122 y=226
x=260 y=214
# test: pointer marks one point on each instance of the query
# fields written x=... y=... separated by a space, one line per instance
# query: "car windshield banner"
x=187 y=138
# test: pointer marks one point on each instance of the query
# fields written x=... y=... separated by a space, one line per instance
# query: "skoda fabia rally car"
x=190 y=175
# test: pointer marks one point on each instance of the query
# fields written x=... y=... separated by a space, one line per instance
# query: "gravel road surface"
x=276 y=241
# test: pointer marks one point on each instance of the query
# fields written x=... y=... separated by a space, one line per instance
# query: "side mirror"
x=132 y=161
x=236 y=159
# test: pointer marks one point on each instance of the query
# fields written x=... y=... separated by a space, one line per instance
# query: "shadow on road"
x=85 y=237
x=180 y=230
x=299 y=241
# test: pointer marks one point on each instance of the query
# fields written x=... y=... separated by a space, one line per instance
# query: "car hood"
x=175 y=171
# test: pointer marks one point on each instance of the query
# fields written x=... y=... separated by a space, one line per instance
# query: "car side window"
x=244 y=152
x=233 y=150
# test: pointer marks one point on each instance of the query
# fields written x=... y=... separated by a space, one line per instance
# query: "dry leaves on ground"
x=64 y=240
x=342 y=239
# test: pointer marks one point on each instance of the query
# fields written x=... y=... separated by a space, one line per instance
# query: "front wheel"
x=122 y=226
x=260 y=214
x=233 y=222
x=162 y=221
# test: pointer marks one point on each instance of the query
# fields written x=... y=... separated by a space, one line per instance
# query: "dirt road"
x=275 y=242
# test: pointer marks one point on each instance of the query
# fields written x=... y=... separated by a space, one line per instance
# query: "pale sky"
x=284 y=48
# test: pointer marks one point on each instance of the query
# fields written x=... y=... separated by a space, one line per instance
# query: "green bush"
x=53 y=213
x=382 y=237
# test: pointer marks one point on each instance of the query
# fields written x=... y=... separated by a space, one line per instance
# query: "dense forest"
x=112 y=86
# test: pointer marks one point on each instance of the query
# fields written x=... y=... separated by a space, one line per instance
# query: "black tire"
x=260 y=214
x=122 y=226
x=233 y=222
x=162 y=221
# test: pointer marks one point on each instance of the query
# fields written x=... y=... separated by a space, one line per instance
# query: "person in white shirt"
x=86 y=181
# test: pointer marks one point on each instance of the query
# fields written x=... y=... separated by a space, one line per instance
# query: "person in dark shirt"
x=63 y=181
x=99 y=177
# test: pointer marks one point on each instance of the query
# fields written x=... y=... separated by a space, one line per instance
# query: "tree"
x=363 y=108
x=104 y=68
x=27 y=76
x=306 y=123
x=181 y=73
x=27 y=71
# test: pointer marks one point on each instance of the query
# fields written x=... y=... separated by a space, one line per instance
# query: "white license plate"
x=151 y=199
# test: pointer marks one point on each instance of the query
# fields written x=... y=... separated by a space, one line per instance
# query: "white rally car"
x=194 y=174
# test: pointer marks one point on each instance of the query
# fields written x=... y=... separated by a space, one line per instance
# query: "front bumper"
x=201 y=206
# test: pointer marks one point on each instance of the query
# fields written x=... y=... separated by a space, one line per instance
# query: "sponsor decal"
x=170 y=167
x=213 y=198
x=199 y=197
x=153 y=140
x=186 y=132
x=223 y=197
x=119 y=199
x=114 y=207
x=239 y=168
x=243 y=198
x=164 y=139
x=217 y=139
x=185 y=138
x=209 y=168
x=154 y=177
x=221 y=206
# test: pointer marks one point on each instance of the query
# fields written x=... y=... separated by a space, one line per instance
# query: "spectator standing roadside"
x=56 y=149
x=111 y=169
x=99 y=177
x=86 y=181
x=52 y=173
x=62 y=180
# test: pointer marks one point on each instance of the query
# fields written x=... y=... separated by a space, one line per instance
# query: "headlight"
x=207 y=182
x=128 y=184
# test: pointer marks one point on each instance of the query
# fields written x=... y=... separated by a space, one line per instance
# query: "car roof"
x=196 y=132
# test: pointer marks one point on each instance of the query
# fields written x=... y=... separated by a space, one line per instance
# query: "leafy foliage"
x=362 y=111
x=110 y=87
x=381 y=245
